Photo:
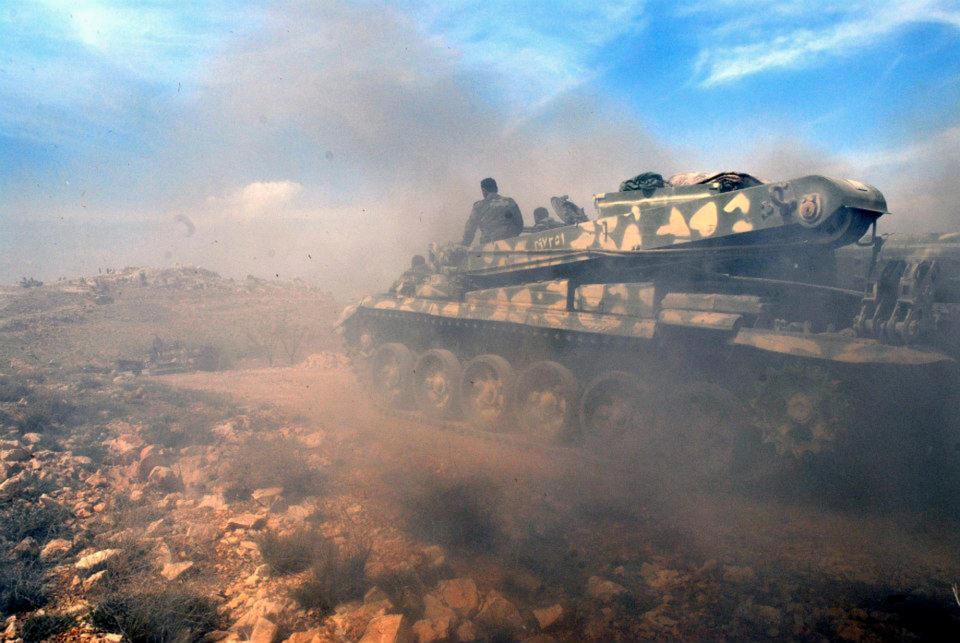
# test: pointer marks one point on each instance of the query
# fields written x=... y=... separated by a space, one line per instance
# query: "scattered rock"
x=389 y=628
x=603 y=590
x=498 y=612
x=315 y=636
x=659 y=578
x=430 y=630
x=213 y=501
x=92 y=580
x=467 y=631
x=246 y=521
x=31 y=438
x=92 y=560
x=547 y=616
x=172 y=571
x=434 y=555
x=17 y=454
x=165 y=478
x=267 y=496
x=460 y=594
x=150 y=457
x=435 y=609
x=13 y=485
x=264 y=631
x=55 y=548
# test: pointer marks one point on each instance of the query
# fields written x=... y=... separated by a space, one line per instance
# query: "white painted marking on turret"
x=677 y=225
x=704 y=220
x=632 y=237
x=740 y=202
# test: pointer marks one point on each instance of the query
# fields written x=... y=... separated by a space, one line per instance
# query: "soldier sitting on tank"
x=497 y=217
x=416 y=274
x=542 y=221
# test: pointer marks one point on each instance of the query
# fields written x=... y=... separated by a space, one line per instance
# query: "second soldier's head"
x=540 y=214
x=488 y=186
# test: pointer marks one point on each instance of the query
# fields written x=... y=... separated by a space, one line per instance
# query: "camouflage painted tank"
x=715 y=297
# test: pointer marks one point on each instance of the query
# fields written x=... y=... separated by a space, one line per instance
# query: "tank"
x=704 y=319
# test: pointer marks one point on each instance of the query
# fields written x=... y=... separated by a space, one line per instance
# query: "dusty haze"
x=332 y=142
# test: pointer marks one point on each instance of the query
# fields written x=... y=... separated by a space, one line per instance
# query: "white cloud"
x=765 y=37
x=260 y=198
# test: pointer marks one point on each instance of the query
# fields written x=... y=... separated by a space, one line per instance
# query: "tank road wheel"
x=707 y=436
x=485 y=390
x=389 y=374
x=609 y=408
x=436 y=383
x=801 y=411
x=546 y=399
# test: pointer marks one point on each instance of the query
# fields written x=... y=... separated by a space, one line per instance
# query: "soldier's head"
x=417 y=260
x=488 y=186
x=540 y=214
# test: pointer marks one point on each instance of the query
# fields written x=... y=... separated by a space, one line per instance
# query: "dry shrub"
x=270 y=462
x=291 y=552
x=458 y=512
x=157 y=617
x=41 y=627
x=23 y=584
x=335 y=577
x=23 y=577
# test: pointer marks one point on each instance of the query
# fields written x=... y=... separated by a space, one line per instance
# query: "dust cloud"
x=192 y=454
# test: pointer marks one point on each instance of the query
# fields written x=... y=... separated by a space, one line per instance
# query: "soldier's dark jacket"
x=498 y=217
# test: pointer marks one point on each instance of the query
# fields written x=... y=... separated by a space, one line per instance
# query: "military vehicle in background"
x=703 y=319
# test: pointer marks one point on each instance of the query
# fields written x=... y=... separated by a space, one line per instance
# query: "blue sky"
x=117 y=117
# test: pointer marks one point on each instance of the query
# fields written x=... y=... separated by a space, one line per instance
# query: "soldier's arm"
x=473 y=222
x=516 y=212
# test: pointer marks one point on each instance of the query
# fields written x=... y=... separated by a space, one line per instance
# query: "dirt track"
x=796 y=553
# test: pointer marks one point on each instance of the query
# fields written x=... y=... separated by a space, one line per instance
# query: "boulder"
x=431 y=630
x=91 y=581
x=264 y=631
x=213 y=501
x=32 y=438
x=389 y=628
x=316 y=636
x=246 y=521
x=460 y=594
x=267 y=496
x=55 y=548
x=497 y=612
x=467 y=631
x=13 y=485
x=150 y=456
x=165 y=478
x=16 y=454
x=603 y=590
x=172 y=571
x=92 y=560
x=547 y=616
x=435 y=609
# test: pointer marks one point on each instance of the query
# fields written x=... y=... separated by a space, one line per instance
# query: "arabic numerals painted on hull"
x=555 y=240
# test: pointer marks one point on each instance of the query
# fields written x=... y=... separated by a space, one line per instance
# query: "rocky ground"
x=274 y=504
